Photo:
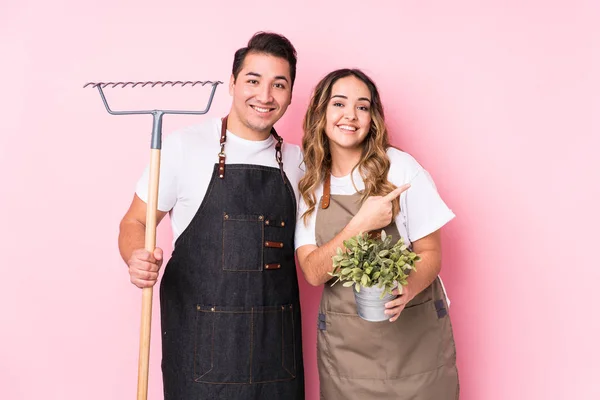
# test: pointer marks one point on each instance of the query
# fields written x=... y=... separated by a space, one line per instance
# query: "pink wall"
x=499 y=101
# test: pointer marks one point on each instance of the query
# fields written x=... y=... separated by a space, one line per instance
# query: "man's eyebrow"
x=278 y=77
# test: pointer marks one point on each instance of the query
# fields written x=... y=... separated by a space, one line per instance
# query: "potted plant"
x=374 y=267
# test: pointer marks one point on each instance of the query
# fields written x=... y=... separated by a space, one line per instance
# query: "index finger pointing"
x=396 y=192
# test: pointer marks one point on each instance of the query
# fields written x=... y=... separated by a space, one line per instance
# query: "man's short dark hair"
x=267 y=43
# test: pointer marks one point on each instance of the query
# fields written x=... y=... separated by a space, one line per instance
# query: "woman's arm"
x=375 y=213
x=429 y=249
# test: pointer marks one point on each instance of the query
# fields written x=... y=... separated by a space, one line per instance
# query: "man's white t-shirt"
x=188 y=157
x=422 y=210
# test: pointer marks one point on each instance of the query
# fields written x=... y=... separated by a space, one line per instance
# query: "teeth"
x=347 y=128
x=259 y=109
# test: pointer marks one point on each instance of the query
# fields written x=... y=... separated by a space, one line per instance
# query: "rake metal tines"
x=151 y=83
x=157 y=114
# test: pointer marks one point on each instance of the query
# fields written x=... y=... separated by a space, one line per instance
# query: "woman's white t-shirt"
x=422 y=210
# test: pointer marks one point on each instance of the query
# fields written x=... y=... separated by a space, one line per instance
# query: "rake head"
x=157 y=114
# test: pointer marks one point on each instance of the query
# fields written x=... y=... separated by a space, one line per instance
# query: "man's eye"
x=253 y=81
x=279 y=85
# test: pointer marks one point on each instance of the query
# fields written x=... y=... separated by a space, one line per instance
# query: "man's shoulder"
x=202 y=130
x=292 y=153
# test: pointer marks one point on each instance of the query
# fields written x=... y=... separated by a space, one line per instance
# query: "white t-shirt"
x=188 y=157
x=422 y=210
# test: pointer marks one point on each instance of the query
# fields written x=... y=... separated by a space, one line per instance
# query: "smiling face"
x=348 y=115
x=261 y=94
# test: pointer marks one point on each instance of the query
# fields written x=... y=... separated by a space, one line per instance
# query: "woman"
x=364 y=184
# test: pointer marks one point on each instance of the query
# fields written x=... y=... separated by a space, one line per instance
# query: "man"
x=230 y=310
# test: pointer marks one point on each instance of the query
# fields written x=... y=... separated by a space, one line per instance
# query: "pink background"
x=498 y=99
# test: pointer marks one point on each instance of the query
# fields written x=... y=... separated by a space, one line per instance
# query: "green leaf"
x=348 y=284
x=357 y=287
x=364 y=280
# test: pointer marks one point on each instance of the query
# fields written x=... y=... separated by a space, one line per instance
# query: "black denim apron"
x=230 y=310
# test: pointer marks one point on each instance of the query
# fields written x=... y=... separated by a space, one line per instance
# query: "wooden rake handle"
x=150 y=241
x=150 y=245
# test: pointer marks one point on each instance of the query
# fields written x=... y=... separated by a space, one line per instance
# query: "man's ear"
x=231 y=84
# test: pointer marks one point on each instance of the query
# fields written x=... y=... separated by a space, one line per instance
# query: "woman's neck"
x=344 y=160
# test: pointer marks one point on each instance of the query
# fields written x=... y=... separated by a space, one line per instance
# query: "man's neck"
x=235 y=126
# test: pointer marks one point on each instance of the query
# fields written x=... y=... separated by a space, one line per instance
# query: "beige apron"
x=412 y=358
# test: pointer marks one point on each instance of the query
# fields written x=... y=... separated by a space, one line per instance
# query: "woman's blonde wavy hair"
x=374 y=163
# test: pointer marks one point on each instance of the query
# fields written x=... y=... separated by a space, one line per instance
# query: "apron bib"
x=230 y=310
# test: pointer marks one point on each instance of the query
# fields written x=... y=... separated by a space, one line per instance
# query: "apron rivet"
x=226 y=216
x=260 y=217
x=266 y=266
x=267 y=222
x=212 y=309
x=220 y=176
x=280 y=244
x=282 y=223
x=197 y=308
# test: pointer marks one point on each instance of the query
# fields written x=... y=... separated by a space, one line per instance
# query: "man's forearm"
x=132 y=235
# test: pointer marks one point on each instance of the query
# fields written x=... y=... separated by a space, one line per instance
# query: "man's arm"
x=143 y=266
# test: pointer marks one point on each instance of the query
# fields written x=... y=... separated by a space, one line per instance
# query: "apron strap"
x=223 y=139
x=326 y=191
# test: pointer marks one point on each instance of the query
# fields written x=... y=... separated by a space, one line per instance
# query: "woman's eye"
x=337 y=104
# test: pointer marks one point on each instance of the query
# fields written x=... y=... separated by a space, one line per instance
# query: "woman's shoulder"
x=403 y=166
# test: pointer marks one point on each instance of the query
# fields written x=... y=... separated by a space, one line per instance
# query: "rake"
x=152 y=205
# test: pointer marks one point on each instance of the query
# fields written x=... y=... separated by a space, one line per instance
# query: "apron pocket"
x=382 y=350
x=244 y=344
x=243 y=242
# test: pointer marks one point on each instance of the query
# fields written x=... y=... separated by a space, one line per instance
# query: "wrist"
x=355 y=226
